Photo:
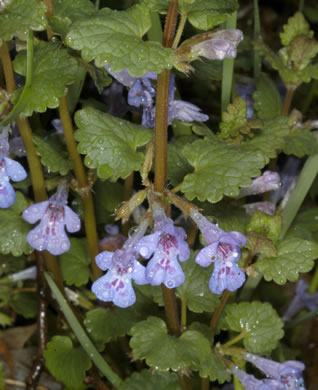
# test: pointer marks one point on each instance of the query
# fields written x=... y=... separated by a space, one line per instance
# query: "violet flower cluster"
x=165 y=247
x=280 y=376
x=9 y=169
x=142 y=94
x=223 y=249
x=54 y=214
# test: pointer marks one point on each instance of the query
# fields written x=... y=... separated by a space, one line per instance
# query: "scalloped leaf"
x=67 y=363
x=294 y=256
x=206 y=14
x=110 y=143
x=220 y=169
x=195 y=290
x=20 y=16
x=177 y=165
x=297 y=25
x=25 y=303
x=53 y=154
x=260 y=323
x=300 y=143
x=150 y=341
x=148 y=380
x=267 y=100
x=53 y=70
x=75 y=263
x=270 y=139
x=13 y=229
x=115 y=37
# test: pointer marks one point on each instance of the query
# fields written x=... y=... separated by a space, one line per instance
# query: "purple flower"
x=223 y=250
x=54 y=215
x=251 y=383
x=301 y=300
x=9 y=169
x=288 y=373
x=168 y=245
x=222 y=45
x=268 y=181
x=122 y=265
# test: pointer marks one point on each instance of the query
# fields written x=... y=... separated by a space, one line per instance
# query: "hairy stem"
x=235 y=340
x=219 y=309
x=84 y=189
x=161 y=140
x=34 y=163
x=205 y=383
x=178 y=36
x=288 y=99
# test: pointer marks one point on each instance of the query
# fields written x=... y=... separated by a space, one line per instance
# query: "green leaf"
x=234 y=122
x=53 y=154
x=5 y=321
x=13 y=229
x=267 y=100
x=259 y=244
x=268 y=225
x=110 y=143
x=105 y=325
x=301 y=51
x=160 y=6
x=68 y=11
x=75 y=263
x=305 y=225
x=53 y=70
x=206 y=14
x=220 y=169
x=297 y=25
x=270 y=139
x=294 y=256
x=67 y=363
x=150 y=341
x=115 y=37
x=259 y=322
x=25 y=303
x=195 y=290
x=20 y=16
x=148 y=380
x=300 y=142
x=214 y=367
x=178 y=166
x=107 y=197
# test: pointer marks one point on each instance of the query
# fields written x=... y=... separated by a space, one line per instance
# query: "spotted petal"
x=7 y=193
x=226 y=275
x=168 y=271
x=148 y=244
x=14 y=170
x=139 y=273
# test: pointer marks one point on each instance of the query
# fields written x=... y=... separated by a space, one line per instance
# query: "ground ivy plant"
x=158 y=195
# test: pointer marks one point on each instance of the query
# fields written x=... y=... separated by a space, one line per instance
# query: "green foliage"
x=68 y=11
x=305 y=225
x=259 y=244
x=270 y=139
x=105 y=325
x=268 y=225
x=5 y=321
x=300 y=142
x=206 y=14
x=220 y=169
x=267 y=100
x=156 y=5
x=115 y=37
x=25 y=303
x=75 y=263
x=67 y=363
x=234 y=123
x=259 y=322
x=294 y=256
x=195 y=290
x=147 y=380
x=53 y=70
x=20 y=16
x=297 y=25
x=53 y=154
x=177 y=164
x=150 y=341
x=110 y=143
x=108 y=197
x=13 y=229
